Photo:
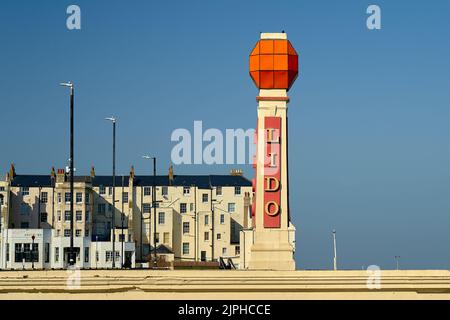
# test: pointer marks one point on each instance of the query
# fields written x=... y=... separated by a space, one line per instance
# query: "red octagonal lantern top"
x=274 y=64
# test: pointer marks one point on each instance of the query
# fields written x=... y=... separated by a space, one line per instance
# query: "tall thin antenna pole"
x=335 y=254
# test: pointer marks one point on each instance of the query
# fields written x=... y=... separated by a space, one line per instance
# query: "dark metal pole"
x=71 y=253
x=122 y=218
x=212 y=226
x=114 y=197
x=32 y=253
x=39 y=208
x=142 y=219
x=154 y=209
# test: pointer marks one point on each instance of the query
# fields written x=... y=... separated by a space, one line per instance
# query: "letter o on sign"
x=272 y=208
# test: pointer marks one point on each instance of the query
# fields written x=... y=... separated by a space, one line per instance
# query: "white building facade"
x=198 y=218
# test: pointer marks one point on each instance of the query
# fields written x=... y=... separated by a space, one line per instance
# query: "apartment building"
x=198 y=218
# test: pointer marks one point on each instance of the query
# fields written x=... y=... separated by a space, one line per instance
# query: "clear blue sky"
x=369 y=114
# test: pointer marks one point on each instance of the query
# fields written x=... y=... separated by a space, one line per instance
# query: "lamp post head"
x=148 y=157
x=112 y=119
x=68 y=85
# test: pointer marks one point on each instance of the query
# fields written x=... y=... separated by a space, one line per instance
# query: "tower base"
x=272 y=251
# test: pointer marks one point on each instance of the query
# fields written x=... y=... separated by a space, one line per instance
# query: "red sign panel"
x=272 y=172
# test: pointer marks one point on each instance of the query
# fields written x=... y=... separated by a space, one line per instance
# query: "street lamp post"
x=122 y=218
x=334 y=247
x=154 y=207
x=113 y=216
x=32 y=252
x=71 y=87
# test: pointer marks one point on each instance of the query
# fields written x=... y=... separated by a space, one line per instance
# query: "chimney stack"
x=170 y=175
x=237 y=172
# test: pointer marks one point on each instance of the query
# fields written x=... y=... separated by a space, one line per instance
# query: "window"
x=47 y=252
x=110 y=190
x=219 y=236
x=44 y=197
x=18 y=256
x=66 y=215
x=164 y=191
x=157 y=237
x=79 y=215
x=67 y=197
x=218 y=191
x=108 y=256
x=237 y=250
x=86 y=232
x=204 y=197
x=237 y=190
x=186 y=191
x=206 y=220
x=25 y=191
x=185 y=247
x=86 y=254
x=97 y=258
x=59 y=197
x=56 y=254
x=183 y=208
x=102 y=190
x=224 y=250
x=222 y=219
x=101 y=208
x=1 y=200
x=146 y=207
x=166 y=238
x=185 y=227
x=87 y=216
x=44 y=216
x=66 y=232
x=78 y=233
x=147 y=191
x=24 y=209
x=206 y=237
x=24 y=225
x=87 y=197
x=231 y=207
x=125 y=197
x=161 y=218
x=121 y=238
x=156 y=205
x=79 y=197
x=2 y=188
x=58 y=215
x=7 y=252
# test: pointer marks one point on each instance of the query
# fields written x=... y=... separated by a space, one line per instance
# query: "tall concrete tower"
x=273 y=68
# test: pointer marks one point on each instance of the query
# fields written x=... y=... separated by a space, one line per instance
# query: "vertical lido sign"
x=272 y=172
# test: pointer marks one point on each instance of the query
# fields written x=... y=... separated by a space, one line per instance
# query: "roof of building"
x=200 y=181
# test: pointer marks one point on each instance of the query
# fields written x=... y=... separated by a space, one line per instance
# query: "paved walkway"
x=221 y=284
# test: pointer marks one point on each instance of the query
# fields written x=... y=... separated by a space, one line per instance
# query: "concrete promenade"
x=221 y=284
